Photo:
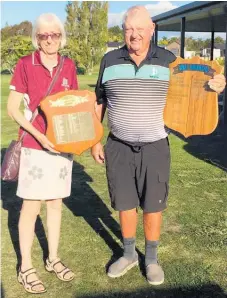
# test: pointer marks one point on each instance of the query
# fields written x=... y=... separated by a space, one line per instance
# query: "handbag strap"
x=54 y=79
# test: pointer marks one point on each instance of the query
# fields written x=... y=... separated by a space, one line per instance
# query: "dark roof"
x=220 y=46
x=115 y=44
x=201 y=16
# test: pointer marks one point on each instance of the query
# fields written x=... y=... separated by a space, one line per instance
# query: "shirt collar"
x=152 y=52
x=36 y=59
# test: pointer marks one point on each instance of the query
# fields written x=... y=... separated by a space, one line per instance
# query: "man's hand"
x=98 y=153
x=217 y=83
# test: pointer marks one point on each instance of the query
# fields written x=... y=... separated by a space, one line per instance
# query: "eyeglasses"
x=53 y=36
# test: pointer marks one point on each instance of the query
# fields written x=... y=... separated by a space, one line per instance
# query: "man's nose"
x=134 y=33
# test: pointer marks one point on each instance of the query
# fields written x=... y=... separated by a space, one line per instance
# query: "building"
x=219 y=51
x=113 y=45
x=174 y=47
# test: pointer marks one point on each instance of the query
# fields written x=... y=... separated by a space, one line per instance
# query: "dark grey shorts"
x=138 y=176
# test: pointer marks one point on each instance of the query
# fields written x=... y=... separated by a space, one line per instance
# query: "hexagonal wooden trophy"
x=191 y=106
x=72 y=125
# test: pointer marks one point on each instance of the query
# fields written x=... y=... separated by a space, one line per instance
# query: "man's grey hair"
x=47 y=19
x=135 y=10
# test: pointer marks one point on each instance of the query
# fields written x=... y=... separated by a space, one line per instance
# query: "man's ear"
x=152 y=29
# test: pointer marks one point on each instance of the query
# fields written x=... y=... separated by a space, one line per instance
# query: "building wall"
x=206 y=53
x=189 y=54
x=174 y=47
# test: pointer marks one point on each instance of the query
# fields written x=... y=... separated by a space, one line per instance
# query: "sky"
x=14 y=12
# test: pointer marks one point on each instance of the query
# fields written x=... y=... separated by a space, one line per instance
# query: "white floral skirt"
x=44 y=175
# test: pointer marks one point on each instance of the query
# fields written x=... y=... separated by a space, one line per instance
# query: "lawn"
x=193 y=250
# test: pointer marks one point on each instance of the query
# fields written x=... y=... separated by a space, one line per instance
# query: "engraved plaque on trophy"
x=191 y=106
x=72 y=125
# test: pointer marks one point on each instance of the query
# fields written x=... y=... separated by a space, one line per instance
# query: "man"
x=132 y=84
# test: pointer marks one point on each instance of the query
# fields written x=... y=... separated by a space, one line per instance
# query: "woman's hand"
x=15 y=113
x=43 y=140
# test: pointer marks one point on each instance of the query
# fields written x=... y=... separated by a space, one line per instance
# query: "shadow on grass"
x=2 y=292
x=210 y=148
x=82 y=202
x=204 y=291
x=5 y=72
x=86 y=203
x=13 y=204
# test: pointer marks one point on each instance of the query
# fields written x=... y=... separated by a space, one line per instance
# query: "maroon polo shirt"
x=32 y=79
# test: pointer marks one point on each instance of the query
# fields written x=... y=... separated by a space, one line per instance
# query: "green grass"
x=194 y=236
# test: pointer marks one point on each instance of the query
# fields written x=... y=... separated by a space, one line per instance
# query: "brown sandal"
x=60 y=274
x=28 y=286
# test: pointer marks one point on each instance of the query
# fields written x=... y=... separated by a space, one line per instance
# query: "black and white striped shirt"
x=135 y=96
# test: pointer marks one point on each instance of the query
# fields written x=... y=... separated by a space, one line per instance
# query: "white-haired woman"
x=45 y=175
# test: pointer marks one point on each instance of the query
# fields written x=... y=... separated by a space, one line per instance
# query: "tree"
x=192 y=44
x=98 y=36
x=174 y=39
x=12 y=49
x=164 y=41
x=115 y=34
x=71 y=25
x=24 y=28
x=219 y=39
x=86 y=26
x=207 y=43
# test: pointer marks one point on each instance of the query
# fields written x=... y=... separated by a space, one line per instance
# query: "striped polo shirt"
x=135 y=95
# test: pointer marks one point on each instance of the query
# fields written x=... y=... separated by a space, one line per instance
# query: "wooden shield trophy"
x=191 y=106
x=72 y=125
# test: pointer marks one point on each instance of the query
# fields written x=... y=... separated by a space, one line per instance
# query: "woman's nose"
x=49 y=39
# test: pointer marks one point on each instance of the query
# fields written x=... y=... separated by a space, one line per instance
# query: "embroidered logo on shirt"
x=65 y=83
x=154 y=73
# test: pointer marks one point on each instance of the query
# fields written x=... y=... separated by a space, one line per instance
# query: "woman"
x=45 y=174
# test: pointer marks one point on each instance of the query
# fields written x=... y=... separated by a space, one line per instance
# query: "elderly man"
x=132 y=84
